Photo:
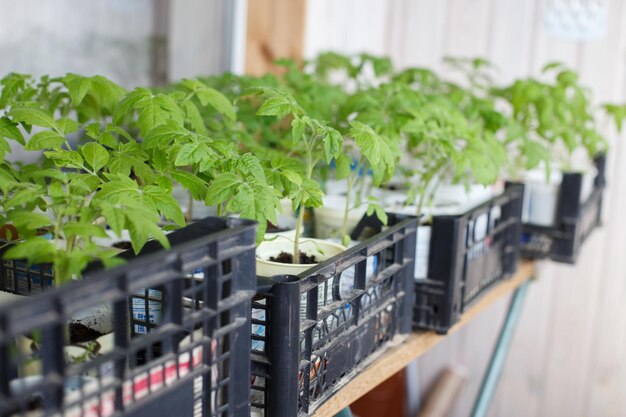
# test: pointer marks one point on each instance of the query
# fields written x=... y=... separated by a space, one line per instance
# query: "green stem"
x=302 y=208
x=351 y=179
x=296 y=242
x=189 y=213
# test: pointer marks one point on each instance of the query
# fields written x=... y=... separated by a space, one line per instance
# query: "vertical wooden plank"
x=424 y=36
x=606 y=373
x=275 y=30
x=467 y=27
x=510 y=38
x=520 y=388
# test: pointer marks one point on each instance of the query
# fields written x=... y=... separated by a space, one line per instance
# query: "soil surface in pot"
x=122 y=245
x=271 y=228
x=287 y=258
x=79 y=333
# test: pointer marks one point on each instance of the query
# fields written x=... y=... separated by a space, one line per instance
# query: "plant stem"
x=351 y=179
x=296 y=242
x=189 y=213
x=302 y=208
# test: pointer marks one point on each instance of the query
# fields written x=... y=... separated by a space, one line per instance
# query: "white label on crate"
x=258 y=329
x=155 y=308
x=422 y=250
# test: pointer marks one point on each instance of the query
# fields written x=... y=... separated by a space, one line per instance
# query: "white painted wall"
x=568 y=356
x=107 y=37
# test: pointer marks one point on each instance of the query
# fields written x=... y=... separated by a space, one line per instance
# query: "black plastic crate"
x=194 y=359
x=313 y=332
x=16 y=276
x=468 y=253
x=575 y=220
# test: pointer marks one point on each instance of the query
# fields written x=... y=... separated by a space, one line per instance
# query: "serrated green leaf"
x=155 y=110
x=196 y=186
x=167 y=205
x=343 y=163
x=165 y=134
x=275 y=106
x=45 y=140
x=32 y=116
x=8 y=129
x=292 y=176
x=95 y=155
x=63 y=158
x=34 y=249
x=29 y=220
x=222 y=188
x=85 y=230
x=217 y=100
x=114 y=217
x=77 y=87
x=66 y=126
x=127 y=103
x=297 y=129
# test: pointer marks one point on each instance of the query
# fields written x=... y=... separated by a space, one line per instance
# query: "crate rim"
x=232 y=226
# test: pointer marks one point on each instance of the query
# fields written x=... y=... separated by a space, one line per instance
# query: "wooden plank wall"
x=569 y=353
x=275 y=30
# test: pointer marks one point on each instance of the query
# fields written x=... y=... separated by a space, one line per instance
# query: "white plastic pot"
x=541 y=196
x=329 y=218
x=266 y=268
x=8 y=298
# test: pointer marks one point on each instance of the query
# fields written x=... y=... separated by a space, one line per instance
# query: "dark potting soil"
x=125 y=245
x=271 y=228
x=79 y=333
x=287 y=258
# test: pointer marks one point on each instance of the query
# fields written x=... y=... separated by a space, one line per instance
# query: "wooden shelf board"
x=415 y=346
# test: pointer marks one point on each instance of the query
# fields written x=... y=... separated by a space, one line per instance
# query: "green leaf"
x=106 y=92
x=77 y=87
x=292 y=176
x=127 y=103
x=49 y=173
x=297 y=129
x=85 y=230
x=367 y=140
x=343 y=163
x=165 y=134
x=217 y=100
x=8 y=129
x=167 y=205
x=114 y=217
x=11 y=84
x=249 y=164
x=63 y=158
x=141 y=228
x=32 y=116
x=193 y=116
x=196 y=186
x=332 y=140
x=45 y=140
x=155 y=110
x=194 y=152
x=222 y=188
x=36 y=249
x=275 y=106
x=29 y=220
x=66 y=126
x=95 y=155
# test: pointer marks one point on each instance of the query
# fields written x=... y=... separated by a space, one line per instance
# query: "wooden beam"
x=415 y=346
x=275 y=29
